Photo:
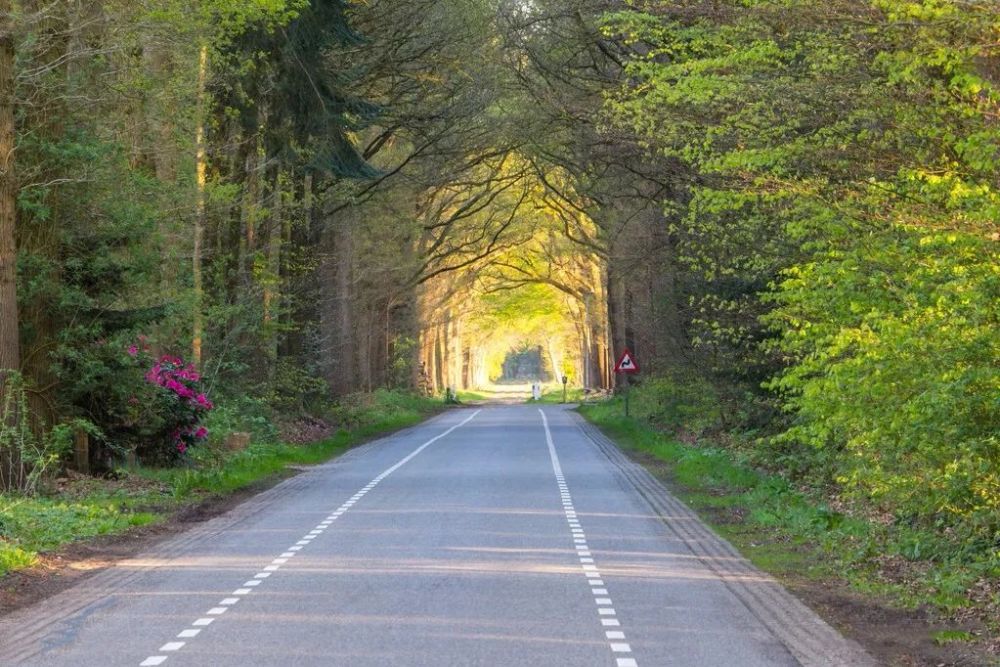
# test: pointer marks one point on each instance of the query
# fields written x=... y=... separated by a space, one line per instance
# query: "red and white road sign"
x=627 y=363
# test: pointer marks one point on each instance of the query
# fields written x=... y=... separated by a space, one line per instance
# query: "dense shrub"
x=896 y=389
x=139 y=402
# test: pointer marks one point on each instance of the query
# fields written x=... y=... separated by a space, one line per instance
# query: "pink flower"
x=201 y=433
x=133 y=350
x=181 y=447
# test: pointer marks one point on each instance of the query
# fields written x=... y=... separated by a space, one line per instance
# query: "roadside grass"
x=553 y=394
x=84 y=507
x=795 y=534
x=465 y=395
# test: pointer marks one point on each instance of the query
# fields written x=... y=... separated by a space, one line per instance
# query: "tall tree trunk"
x=10 y=349
x=272 y=282
x=197 y=324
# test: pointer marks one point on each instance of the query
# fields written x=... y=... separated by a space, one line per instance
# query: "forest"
x=215 y=211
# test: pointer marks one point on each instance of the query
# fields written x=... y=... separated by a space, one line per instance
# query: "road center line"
x=605 y=606
x=215 y=612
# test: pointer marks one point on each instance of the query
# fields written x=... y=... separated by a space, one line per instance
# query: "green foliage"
x=839 y=195
x=26 y=457
x=381 y=410
x=893 y=390
x=32 y=525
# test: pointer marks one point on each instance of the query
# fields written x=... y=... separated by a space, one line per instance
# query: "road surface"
x=499 y=536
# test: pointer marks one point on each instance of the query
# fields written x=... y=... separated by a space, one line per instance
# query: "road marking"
x=306 y=540
x=605 y=606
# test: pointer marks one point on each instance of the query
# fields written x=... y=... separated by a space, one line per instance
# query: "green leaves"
x=851 y=166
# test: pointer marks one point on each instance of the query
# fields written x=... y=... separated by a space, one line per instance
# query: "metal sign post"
x=627 y=365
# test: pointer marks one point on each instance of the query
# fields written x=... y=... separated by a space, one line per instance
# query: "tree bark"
x=10 y=350
x=201 y=176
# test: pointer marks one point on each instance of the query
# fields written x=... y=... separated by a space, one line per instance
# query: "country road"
x=501 y=536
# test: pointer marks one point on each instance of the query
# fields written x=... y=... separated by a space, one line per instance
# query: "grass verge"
x=78 y=508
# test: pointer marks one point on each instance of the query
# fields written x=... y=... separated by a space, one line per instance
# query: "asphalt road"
x=501 y=536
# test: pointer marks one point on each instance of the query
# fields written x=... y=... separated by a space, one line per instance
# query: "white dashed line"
x=227 y=603
x=603 y=601
x=172 y=646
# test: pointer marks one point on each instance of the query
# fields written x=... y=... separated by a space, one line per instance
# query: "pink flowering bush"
x=181 y=399
x=137 y=399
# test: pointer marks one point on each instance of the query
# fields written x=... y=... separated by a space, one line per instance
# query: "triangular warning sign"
x=626 y=363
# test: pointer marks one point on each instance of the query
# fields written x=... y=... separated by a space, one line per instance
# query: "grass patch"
x=32 y=525
x=469 y=395
x=950 y=636
x=553 y=394
x=87 y=507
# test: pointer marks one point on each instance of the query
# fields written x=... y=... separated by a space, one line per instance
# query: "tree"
x=10 y=358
